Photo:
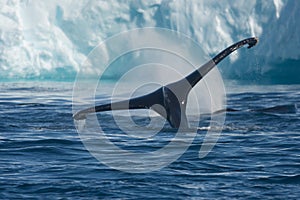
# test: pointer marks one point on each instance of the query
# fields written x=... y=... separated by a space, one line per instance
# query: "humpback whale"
x=170 y=100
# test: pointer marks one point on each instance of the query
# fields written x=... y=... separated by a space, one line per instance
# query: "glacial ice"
x=50 y=39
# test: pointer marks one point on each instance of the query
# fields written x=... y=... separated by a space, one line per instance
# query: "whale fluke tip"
x=252 y=42
x=79 y=116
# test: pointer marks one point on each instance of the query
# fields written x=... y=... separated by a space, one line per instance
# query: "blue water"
x=256 y=157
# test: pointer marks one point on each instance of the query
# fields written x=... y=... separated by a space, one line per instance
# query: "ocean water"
x=42 y=156
x=256 y=156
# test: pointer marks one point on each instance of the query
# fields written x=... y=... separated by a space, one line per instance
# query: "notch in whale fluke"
x=169 y=101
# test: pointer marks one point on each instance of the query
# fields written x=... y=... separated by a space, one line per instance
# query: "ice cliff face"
x=50 y=39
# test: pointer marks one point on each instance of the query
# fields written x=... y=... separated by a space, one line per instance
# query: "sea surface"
x=256 y=157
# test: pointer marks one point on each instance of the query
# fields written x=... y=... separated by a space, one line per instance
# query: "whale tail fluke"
x=169 y=101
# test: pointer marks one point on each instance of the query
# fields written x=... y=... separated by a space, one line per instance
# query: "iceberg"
x=48 y=40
